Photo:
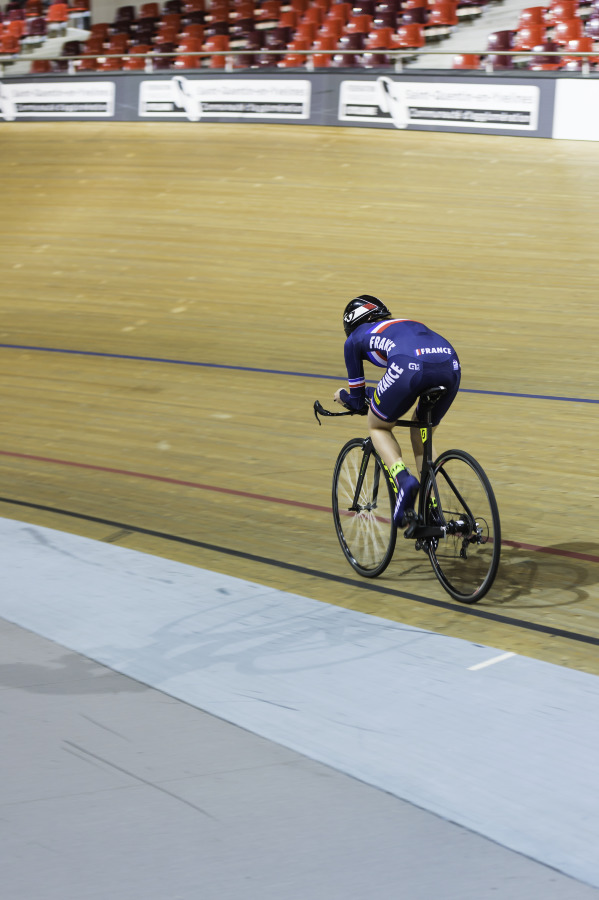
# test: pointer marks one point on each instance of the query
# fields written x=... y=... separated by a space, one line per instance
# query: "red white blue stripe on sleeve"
x=357 y=382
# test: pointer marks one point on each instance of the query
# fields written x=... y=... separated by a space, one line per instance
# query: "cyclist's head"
x=363 y=309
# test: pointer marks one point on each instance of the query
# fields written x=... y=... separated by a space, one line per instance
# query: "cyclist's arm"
x=356 y=398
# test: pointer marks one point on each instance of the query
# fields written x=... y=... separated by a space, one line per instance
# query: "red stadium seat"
x=100 y=29
x=110 y=64
x=125 y=13
x=149 y=11
x=542 y=61
x=561 y=11
x=16 y=28
x=299 y=6
x=570 y=30
x=136 y=63
x=529 y=36
x=385 y=19
x=442 y=17
x=322 y=59
x=314 y=14
x=295 y=58
x=331 y=28
x=57 y=12
x=417 y=15
x=379 y=39
x=251 y=41
x=532 y=15
x=87 y=64
x=9 y=45
x=193 y=31
x=340 y=11
x=167 y=34
x=219 y=42
x=33 y=9
x=268 y=11
x=57 y=16
x=501 y=40
x=359 y=25
x=163 y=56
x=410 y=37
x=350 y=45
x=576 y=63
x=188 y=45
x=40 y=67
x=289 y=18
x=466 y=61
x=171 y=19
x=118 y=44
x=363 y=8
x=307 y=31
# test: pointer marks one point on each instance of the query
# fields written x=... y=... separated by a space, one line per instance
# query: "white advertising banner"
x=58 y=99
x=248 y=98
x=576 y=115
x=405 y=103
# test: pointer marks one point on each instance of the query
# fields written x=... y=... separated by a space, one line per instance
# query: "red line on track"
x=163 y=478
x=554 y=551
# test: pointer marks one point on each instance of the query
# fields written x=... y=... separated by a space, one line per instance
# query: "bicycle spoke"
x=466 y=560
x=366 y=534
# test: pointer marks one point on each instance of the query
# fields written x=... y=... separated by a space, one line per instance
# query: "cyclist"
x=415 y=359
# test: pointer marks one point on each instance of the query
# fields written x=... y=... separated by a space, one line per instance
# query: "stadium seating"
x=57 y=17
x=544 y=60
x=576 y=63
x=466 y=61
x=291 y=34
x=529 y=36
x=40 y=67
x=136 y=62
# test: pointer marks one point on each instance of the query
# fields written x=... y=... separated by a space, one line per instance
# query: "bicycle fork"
x=355 y=507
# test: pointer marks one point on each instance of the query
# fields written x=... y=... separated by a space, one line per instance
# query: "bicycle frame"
x=416 y=529
x=443 y=523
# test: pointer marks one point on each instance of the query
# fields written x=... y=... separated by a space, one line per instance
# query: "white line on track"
x=490 y=662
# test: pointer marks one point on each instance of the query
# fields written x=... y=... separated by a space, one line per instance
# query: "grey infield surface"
x=111 y=789
x=171 y=733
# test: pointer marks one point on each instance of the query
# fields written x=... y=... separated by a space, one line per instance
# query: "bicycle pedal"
x=413 y=520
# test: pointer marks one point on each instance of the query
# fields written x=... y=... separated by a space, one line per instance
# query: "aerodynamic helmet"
x=363 y=309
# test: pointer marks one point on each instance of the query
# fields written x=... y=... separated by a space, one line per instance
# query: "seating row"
x=265 y=33
x=561 y=36
x=262 y=32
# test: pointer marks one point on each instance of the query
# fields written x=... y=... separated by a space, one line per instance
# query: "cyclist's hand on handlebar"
x=351 y=403
x=339 y=397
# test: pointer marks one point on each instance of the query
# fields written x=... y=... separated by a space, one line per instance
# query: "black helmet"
x=363 y=309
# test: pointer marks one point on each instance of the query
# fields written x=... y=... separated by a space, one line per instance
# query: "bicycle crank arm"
x=420 y=532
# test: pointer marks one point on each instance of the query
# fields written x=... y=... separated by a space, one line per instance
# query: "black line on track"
x=327 y=576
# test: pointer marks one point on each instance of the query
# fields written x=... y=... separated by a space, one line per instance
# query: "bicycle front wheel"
x=363 y=502
x=467 y=559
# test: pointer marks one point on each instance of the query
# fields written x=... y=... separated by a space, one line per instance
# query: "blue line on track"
x=206 y=365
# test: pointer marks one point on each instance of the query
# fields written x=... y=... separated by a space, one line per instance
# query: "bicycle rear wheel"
x=363 y=518
x=466 y=560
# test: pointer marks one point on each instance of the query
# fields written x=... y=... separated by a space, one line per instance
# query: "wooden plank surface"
x=199 y=274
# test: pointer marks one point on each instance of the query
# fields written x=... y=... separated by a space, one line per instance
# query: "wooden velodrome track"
x=171 y=307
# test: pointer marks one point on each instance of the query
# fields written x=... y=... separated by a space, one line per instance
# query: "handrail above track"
x=399 y=58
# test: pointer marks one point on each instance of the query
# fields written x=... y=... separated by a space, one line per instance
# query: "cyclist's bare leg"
x=385 y=442
x=418 y=445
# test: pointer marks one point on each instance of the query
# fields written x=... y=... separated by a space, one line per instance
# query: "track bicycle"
x=456 y=521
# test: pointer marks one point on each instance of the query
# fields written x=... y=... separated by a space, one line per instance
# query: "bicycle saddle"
x=432 y=396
